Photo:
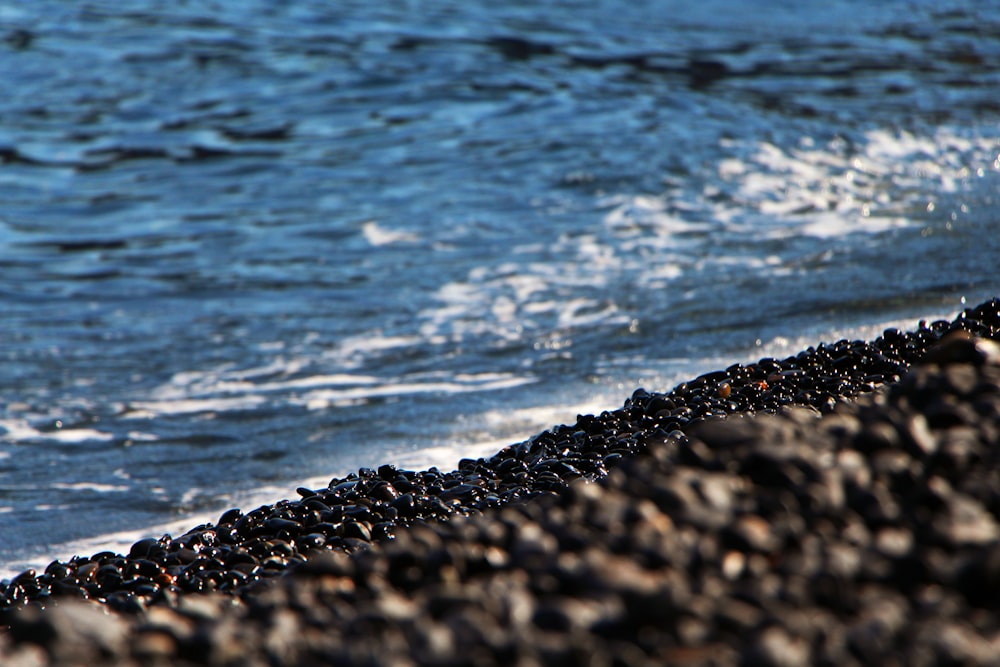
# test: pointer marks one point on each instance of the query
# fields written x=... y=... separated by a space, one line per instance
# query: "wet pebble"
x=739 y=555
x=895 y=489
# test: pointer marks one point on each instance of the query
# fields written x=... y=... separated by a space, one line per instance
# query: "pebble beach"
x=839 y=506
x=246 y=242
x=463 y=332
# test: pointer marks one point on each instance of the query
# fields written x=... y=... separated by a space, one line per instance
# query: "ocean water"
x=247 y=246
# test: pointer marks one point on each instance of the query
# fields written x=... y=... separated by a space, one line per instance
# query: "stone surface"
x=838 y=532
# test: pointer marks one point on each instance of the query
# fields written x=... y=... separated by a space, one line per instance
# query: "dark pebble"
x=786 y=539
x=143 y=548
x=843 y=537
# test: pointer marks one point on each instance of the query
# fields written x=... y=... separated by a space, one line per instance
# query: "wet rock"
x=143 y=548
x=72 y=634
x=785 y=539
x=775 y=647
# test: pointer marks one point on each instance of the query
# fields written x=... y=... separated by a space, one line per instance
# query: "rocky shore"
x=858 y=524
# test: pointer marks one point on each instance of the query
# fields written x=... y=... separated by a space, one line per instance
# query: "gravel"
x=833 y=532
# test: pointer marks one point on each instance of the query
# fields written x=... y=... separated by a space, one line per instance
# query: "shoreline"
x=364 y=516
x=445 y=457
x=242 y=553
x=854 y=532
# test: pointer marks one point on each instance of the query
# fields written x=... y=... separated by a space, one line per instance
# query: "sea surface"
x=247 y=246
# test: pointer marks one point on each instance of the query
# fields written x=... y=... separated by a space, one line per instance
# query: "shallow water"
x=243 y=247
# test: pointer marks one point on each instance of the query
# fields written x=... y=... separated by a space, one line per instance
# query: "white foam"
x=71 y=435
x=354 y=350
x=309 y=382
x=325 y=398
x=886 y=181
x=90 y=486
x=226 y=388
x=15 y=430
x=377 y=235
x=149 y=409
x=515 y=301
x=829 y=225
x=760 y=192
x=647 y=213
x=21 y=430
x=840 y=188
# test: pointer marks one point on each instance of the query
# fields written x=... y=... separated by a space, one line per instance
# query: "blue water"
x=250 y=245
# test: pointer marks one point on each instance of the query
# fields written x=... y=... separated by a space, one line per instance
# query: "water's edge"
x=368 y=505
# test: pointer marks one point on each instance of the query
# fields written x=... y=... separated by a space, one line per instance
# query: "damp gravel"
x=832 y=528
x=241 y=241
